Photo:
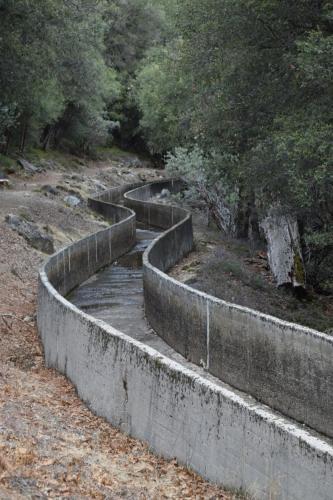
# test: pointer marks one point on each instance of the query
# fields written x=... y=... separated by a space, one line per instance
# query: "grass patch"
x=239 y=248
x=232 y=267
x=237 y=270
x=257 y=282
x=40 y=157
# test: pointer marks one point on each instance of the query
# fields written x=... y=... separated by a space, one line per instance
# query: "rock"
x=4 y=182
x=165 y=193
x=77 y=177
x=50 y=189
x=72 y=201
x=50 y=164
x=134 y=163
x=31 y=232
x=284 y=249
x=28 y=167
x=99 y=185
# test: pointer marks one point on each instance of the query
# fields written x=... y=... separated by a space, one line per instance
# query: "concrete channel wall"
x=286 y=366
x=222 y=434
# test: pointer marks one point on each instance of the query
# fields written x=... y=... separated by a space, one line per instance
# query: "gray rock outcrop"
x=72 y=201
x=31 y=232
x=28 y=167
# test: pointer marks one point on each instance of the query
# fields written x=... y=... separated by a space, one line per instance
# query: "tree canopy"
x=251 y=82
x=244 y=85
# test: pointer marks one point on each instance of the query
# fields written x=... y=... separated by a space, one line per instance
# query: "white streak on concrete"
x=96 y=247
x=69 y=259
x=208 y=334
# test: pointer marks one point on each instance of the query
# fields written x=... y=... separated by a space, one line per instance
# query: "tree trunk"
x=46 y=137
x=246 y=223
x=284 y=250
x=24 y=136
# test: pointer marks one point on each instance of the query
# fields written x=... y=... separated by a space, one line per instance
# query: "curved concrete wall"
x=286 y=366
x=223 y=435
x=75 y=264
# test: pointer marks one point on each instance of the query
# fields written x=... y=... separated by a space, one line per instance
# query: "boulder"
x=72 y=201
x=165 y=193
x=28 y=167
x=99 y=185
x=31 y=232
x=50 y=189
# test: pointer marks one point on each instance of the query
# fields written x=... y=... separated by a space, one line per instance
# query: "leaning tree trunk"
x=284 y=250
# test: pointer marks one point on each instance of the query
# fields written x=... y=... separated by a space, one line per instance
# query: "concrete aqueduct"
x=248 y=402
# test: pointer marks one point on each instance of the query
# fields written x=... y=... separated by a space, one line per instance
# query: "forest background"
x=234 y=95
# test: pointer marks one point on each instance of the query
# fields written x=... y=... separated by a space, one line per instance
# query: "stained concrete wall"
x=286 y=366
x=223 y=435
x=75 y=264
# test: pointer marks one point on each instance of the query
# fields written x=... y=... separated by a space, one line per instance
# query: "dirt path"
x=51 y=445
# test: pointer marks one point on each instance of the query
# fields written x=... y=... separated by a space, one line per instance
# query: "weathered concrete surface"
x=76 y=263
x=223 y=435
x=287 y=366
x=210 y=428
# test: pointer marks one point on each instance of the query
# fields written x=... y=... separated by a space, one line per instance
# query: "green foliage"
x=257 y=94
x=55 y=81
x=67 y=69
x=243 y=87
x=207 y=181
x=7 y=164
x=8 y=116
x=132 y=27
x=162 y=94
